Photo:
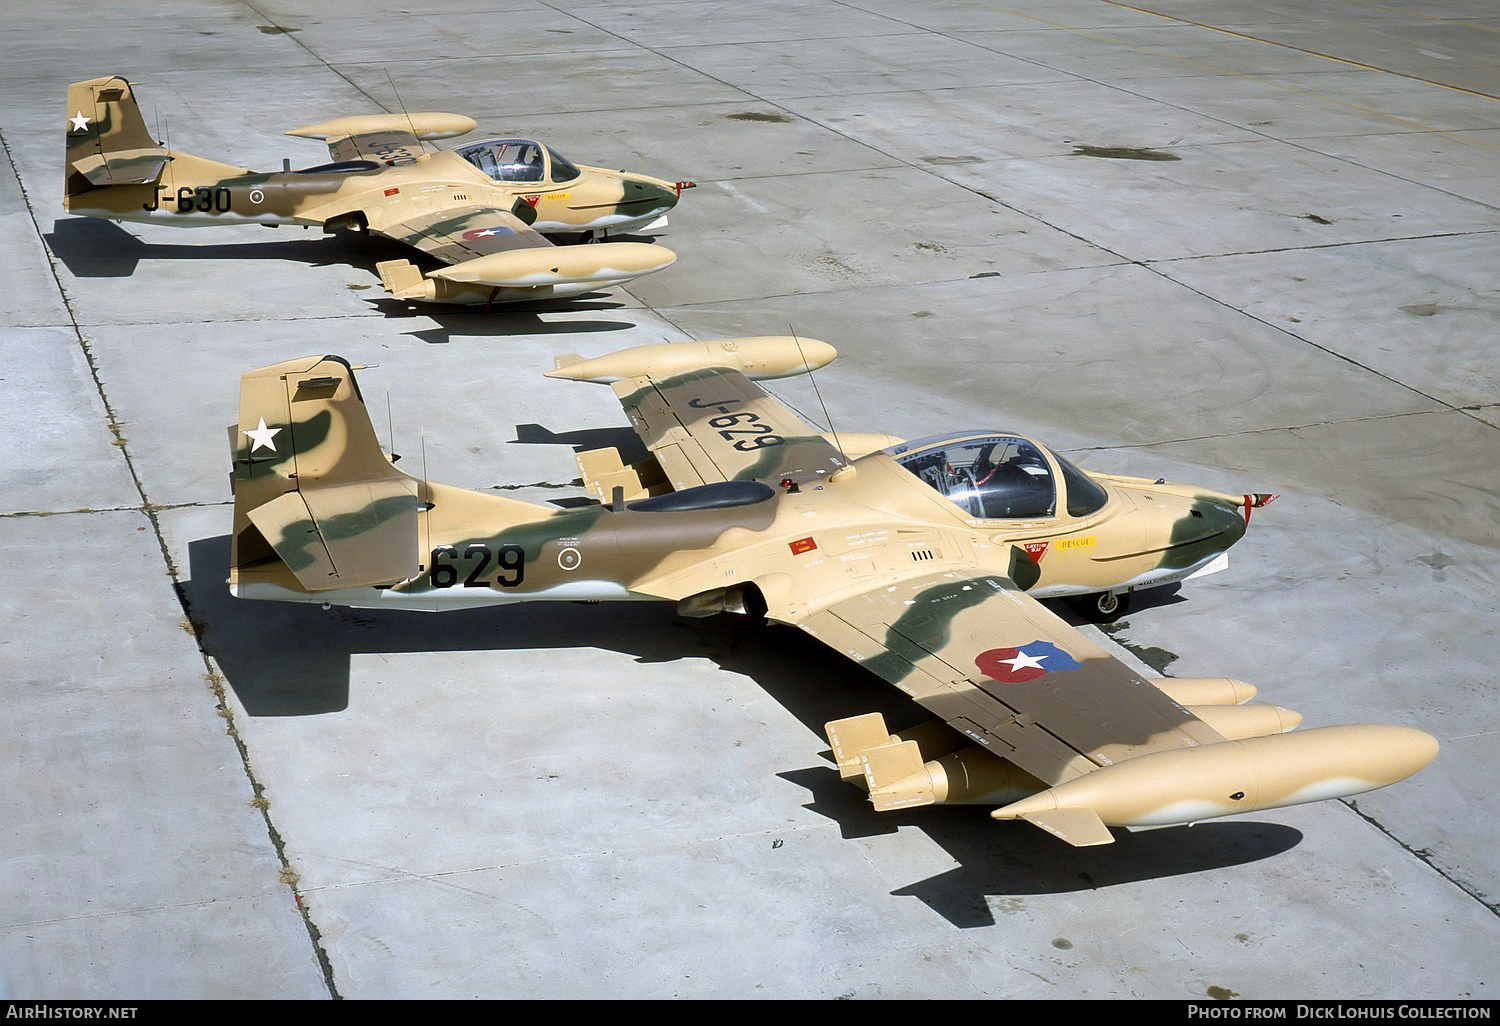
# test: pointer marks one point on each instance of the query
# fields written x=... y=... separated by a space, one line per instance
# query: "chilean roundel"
x=475 y=234
x=1024 y=662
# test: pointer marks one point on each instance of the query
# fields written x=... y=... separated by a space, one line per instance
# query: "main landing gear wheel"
x=1104 y=606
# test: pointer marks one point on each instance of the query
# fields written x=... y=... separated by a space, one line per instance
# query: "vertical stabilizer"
x=108 y=143
x=312 y=487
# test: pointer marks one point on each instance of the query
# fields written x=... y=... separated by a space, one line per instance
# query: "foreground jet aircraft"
x=922 y=561
x=482 y=209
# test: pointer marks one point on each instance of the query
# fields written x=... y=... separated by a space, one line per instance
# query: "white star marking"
x=484 y=233
x=1024 y=661
x=262 y=436
x=80 y=123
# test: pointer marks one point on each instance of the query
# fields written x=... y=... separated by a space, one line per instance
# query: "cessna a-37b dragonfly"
x=922 y=561
x=483 y=209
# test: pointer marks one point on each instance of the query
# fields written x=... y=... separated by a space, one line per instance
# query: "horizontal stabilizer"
x=140 y=166
x=288 y=525
x=344 y=536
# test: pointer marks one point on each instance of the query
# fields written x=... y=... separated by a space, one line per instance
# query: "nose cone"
x=644 y=194
x=1191 y=530
x=1225 y=523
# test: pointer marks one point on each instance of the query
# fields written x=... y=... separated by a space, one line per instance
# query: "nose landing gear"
x=1103 y=606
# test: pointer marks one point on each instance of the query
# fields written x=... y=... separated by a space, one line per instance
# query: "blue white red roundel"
x=475 y=234
x=1024 y=663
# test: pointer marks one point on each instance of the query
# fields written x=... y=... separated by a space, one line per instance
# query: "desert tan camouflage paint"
x=922 y=561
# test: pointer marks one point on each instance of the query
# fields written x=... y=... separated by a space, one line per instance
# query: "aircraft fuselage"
x=811 y=545
x=196 y=192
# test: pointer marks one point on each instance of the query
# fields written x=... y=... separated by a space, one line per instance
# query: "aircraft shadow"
x=1007 y=860
x=306 y=672
x=501 y=320
x=623 y=439
x=90 y=247
x=93 y=248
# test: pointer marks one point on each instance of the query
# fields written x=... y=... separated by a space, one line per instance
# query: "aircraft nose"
x=1203 y=526
x=667 y=197
x=1230 y=517
x=661 y=195
x=1227 y=522
x=1220 y=521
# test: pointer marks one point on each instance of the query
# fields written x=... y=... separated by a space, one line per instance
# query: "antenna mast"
x=402 y=104
x=819 y=393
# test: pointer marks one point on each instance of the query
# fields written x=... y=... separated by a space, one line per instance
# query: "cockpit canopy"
x=1000 y=477
x=519 y=160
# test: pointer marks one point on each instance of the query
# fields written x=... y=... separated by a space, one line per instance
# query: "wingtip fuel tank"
x=758 y=358
x=1230 y=777
x=422 y=124
x=540 y=272
x=608 y=263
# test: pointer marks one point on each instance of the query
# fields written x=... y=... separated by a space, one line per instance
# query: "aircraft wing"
x=1003 y=670
x=391 y=139
x=715 y=424
x=457 y=234
x=391 y=145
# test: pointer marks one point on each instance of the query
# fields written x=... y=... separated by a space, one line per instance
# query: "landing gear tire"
x=1104 y=606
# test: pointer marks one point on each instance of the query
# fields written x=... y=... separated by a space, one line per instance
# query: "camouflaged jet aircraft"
x=484 y=209
x=923 y=561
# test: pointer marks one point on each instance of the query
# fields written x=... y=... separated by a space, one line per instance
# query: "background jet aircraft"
x=921 y=561
x=481 y=209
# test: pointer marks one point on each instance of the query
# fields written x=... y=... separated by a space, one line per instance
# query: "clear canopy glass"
x=508 y=160
x=519 y=160
x=999 y=477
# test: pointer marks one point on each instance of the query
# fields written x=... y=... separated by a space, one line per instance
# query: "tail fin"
x=314 y=493
x=108 y=143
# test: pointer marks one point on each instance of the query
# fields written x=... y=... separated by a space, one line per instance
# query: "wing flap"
x=459 y=234
x=123 y=167
x=715 y=424
x=384 y=138
x=1003 y=670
